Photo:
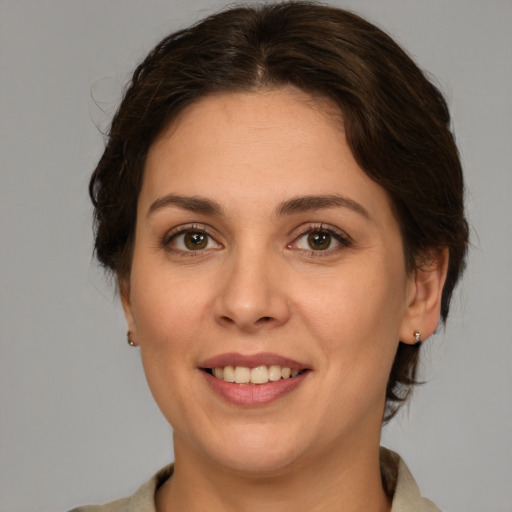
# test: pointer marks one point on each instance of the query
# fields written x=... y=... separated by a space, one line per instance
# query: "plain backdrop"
x=77 y=422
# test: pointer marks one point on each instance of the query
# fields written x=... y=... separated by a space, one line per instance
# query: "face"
x=262 y=250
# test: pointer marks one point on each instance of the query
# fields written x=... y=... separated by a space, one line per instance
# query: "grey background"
x=77 y=423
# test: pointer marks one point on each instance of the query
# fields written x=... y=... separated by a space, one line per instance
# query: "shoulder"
x=400 y=484
x=143 y=500
x=114 y=506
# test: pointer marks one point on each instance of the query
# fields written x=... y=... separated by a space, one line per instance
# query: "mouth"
x=258 y=375
x=253 y=380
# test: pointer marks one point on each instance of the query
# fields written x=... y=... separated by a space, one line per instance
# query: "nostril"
x=264 y=319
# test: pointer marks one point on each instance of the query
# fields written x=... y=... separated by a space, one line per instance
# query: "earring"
x=417 y=337
x=129 y=339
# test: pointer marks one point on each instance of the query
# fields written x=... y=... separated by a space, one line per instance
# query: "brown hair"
x=396 y=121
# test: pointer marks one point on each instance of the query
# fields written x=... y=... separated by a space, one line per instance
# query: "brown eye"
x=190 y=240
x=319 y=240
x=195 y=240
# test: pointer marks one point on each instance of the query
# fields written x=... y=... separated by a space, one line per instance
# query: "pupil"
x=319 y=240
x=195 y=240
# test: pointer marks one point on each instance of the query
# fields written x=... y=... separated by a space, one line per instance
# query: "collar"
x=396 y=477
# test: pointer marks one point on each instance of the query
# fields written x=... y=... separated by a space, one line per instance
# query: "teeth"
x=274 y=373
x=242 y=375
x=259 y=375
x=228 y=374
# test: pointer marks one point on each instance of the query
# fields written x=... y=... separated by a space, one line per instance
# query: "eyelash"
x=182 y=230
x=339 y=236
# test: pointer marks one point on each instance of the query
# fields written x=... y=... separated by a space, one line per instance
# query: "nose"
x=252 y=293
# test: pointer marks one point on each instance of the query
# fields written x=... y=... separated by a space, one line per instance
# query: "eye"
x=320 y=239
x=190 y=239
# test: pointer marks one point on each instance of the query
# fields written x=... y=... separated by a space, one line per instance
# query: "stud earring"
x=129 y=339
x=417 y=337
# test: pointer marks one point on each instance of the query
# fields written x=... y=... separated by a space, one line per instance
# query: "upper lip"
x=252 y=361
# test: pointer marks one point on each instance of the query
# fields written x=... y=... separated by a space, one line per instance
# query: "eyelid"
x=181 y=230
x=343 y=239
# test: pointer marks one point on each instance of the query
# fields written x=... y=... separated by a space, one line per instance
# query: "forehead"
x=248 y=145
x=248 y=118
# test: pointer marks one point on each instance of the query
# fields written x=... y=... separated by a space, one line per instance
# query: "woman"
x=281 y=202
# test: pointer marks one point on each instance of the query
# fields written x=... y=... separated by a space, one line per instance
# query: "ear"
x=425 y=290
x=124 y=294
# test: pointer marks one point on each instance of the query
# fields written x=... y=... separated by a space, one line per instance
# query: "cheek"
x=356 y=320
x=167 y=312
x=166 y=307
x=357 y=302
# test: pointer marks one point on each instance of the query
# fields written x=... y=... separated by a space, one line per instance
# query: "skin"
x=258 y=286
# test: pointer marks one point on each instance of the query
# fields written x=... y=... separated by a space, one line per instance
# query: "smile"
x=258 y=375
x=253 y=380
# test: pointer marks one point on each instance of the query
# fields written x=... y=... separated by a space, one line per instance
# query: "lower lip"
x=253 y=394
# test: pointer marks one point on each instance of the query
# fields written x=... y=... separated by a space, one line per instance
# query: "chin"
x=256 y=453
x=256 y=464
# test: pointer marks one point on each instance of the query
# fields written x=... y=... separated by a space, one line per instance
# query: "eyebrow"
x=291 y=206
x=191 y=203
x=319 y=202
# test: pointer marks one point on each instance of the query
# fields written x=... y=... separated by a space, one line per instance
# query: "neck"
x=349 y=480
